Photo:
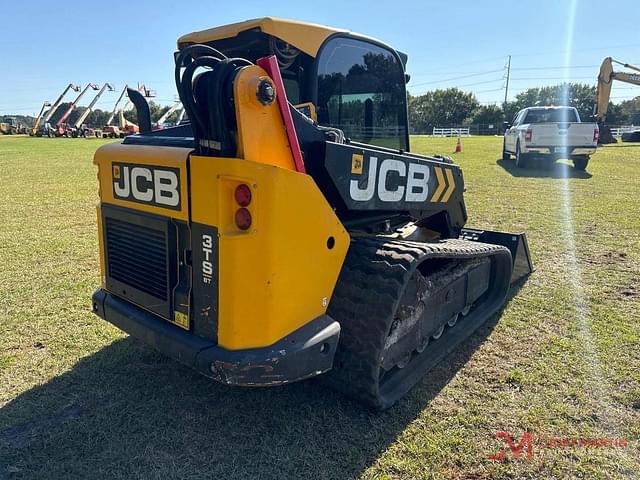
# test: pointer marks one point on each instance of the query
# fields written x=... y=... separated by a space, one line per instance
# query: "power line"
x=554 y=78
x=473 y=62
x=481 y=83
x=457 y=78
x=568 y=67
x=588 y=49
x=492 y=90
x=468 y=85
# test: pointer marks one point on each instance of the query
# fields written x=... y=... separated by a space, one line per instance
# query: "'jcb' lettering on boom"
x=159 y=186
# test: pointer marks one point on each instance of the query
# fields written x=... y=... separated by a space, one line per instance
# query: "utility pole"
x=506 y=88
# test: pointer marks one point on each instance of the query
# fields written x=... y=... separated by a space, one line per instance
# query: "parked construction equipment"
x=260 y=247
x=36 y=125
x=603 y=93
x=181 y=116
x=124 y=127
x=113 y=131
x=11 y=126
x=176 y=107
x=81 y=130
x=62 y=129
x=44 y=127
x=115 y=107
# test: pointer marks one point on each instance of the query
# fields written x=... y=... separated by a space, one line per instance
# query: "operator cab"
x=338 y=78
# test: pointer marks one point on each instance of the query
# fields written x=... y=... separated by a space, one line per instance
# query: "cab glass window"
x=552 y=115
x=518 y=118
x=361 y=90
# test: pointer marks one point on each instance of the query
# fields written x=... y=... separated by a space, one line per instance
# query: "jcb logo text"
x=392 y=181
x=159 y=186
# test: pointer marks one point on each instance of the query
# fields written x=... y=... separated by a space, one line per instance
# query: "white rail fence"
x=618 y=131
x=451 y=132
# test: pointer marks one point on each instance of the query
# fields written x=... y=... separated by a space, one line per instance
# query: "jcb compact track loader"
x=287 y=231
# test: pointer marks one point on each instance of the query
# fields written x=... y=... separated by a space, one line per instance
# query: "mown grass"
x=79 y=399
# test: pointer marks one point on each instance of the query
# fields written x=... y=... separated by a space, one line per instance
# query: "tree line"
x=454 y=107
x=437 y=108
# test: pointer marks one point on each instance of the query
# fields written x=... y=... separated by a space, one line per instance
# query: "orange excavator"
x=605 y=80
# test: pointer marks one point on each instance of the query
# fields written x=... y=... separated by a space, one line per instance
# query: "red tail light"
x=243 y=219
x=243 y=195
x=528 y=135
x=596 y=134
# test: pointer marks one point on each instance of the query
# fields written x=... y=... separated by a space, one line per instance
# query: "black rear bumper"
x=305 y=353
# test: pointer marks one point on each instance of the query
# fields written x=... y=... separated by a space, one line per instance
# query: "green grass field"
x=79 y=399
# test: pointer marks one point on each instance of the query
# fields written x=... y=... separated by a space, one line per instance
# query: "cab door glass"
x=361 y=91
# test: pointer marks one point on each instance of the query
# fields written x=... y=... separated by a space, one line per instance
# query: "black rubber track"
x=371 y=283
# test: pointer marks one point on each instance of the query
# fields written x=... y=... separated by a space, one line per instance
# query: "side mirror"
x=506 y=125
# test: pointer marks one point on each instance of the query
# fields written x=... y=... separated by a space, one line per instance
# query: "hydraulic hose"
x=208 y=97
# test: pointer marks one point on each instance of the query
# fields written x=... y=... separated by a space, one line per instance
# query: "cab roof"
x=307 y=37
x=548 y=107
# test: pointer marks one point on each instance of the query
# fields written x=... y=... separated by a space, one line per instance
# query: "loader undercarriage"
x=403 y=306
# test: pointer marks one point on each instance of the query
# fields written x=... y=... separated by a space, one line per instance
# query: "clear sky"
x=44 y=45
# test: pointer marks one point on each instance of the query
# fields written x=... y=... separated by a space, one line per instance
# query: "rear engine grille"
x=137 y=256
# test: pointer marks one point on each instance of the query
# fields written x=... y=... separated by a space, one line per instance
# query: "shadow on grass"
x=543 y=169
x=127 y=412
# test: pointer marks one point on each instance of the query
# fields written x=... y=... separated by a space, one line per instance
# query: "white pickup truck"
x=554 y=132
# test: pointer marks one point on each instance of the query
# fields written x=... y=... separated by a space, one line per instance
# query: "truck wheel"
x=580 y=163
x=521 y=158
x=506 y=156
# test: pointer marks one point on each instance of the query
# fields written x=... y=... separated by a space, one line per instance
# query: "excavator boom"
x=627 y=65
x=606 y=77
